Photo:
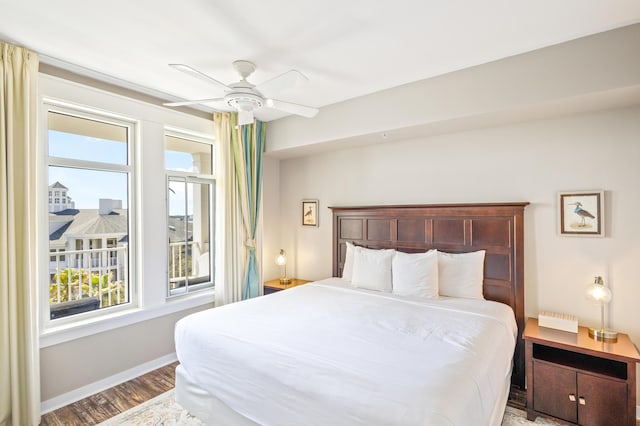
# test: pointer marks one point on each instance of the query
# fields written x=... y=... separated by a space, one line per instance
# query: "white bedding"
x=328 y=354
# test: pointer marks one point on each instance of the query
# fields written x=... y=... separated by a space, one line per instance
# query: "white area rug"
x=164 y=411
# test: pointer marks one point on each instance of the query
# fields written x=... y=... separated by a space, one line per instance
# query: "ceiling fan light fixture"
x=243 y=105
x=245 y=117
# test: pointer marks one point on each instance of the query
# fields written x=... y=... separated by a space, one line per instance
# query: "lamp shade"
x=281 y=259
x=597 y=292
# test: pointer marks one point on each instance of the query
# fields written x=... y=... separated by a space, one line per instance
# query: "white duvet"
x=328 y=354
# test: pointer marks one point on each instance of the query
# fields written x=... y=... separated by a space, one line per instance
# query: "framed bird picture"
x=310 y=212
x=581 y=213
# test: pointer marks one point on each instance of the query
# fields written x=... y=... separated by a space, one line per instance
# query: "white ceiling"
x=346 y=48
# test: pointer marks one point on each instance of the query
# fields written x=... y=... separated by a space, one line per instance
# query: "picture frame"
x=310 y=213
x=581 y=213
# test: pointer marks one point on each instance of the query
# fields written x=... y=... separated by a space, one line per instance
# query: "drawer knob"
x=572 y=397
x=582 y=401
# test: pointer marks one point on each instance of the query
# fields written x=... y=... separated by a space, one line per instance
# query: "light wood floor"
x=111 y=402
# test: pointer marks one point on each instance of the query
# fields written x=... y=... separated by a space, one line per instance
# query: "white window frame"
x=190 y=288
x=193 y=177
x=53 y=106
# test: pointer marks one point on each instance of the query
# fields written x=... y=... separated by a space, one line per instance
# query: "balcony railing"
x=103 y=274
x=180 y=255
x=96 y=273
x=188 y=265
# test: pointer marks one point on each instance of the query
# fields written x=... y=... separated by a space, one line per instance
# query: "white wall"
x=81 y=367
x=521 y=162
x=271 y=209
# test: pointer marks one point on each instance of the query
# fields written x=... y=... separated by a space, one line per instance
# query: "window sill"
x=56 y=334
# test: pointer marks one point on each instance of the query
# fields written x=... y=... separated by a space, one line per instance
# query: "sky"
x=86 y=187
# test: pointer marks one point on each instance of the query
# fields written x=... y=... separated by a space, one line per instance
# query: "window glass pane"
x=178 y=233
x=188 y=155
x=199 y=228
x=88 y=240
x=84 y=139
x=84 y=188
x=179 y=161
x=189 y=233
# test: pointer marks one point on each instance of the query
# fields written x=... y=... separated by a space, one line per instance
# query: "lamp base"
x=602 y=335
x=285 y=281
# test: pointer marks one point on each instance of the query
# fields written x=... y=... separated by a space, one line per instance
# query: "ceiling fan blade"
x=194 y=72
x=303 y=110
x=193 y=102
x=282 y=82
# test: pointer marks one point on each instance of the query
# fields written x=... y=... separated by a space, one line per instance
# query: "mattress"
x=327 y=353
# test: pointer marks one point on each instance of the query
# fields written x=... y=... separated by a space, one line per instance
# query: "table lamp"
x=281 y=260
x=601 y=295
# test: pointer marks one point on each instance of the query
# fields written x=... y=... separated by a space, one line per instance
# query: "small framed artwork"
x=581 y=213
x=310 y=212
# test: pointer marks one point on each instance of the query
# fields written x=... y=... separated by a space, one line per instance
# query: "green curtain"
x=247 y=147
x=19 y=348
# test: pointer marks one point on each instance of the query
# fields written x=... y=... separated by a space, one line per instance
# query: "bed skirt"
x=214 y=412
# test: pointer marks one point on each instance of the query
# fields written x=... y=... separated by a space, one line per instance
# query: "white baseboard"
x=100 y=385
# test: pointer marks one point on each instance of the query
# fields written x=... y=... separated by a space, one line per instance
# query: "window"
x=89 y=162
x=93 y=136
x=57 y=255
x=190 y=205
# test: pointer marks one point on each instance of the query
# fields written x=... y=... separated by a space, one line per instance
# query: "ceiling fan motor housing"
x=244 y=101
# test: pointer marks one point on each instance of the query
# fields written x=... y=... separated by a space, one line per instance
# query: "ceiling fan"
x=244 y=97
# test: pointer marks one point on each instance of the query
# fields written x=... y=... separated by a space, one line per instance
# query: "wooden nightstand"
x=274 y=285
x=573 y=378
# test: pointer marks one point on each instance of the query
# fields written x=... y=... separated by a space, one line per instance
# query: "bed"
x=331 y=353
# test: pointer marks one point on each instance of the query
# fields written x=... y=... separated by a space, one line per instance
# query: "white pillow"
x=372 y=269
x=415 y=274
x=347 y=268
x=461 y=274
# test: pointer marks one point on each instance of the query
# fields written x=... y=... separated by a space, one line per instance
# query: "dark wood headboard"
x=497 y=228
